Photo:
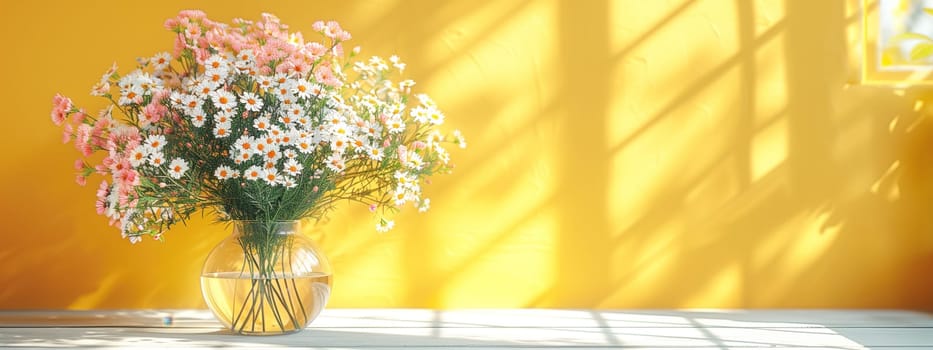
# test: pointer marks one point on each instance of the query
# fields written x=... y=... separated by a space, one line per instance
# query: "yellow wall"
x=623 y=154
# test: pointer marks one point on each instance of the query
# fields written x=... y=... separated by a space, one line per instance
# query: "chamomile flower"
x=339 y=144
x=458 y=136
x=292 y=167
x=385 y=225
x=413 y=161
x=139 y=156
x=251 y=102
x=272 y=154
x=420 y=114
x=290 y=153
x=156 y=159
x=336 y=163
x=374 y=153
x=265 y=82
x=253 y=173
x=244 y=59
x=132 y=94
x=289 y=182
x=222 y=130
x=262 y=123
x=395 y=125
x=424 y=205
x=177 y=168
x=198 y=119
x=155 y=142
x=271 y=176
x=246 y=144
x=435 y=116
x=302 y=88
x=223 y=99
x=215 y=63
x=304 y=145
x=222 y=117
x=161 y=60
x=224 y=172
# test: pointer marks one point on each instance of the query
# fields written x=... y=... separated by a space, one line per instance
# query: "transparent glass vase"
x=266 y=278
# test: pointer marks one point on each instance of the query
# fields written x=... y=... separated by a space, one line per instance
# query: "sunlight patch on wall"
x=769 y=148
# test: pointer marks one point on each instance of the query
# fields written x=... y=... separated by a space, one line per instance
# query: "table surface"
x=486 y=329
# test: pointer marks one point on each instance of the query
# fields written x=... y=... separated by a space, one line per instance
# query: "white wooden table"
x=486 y=329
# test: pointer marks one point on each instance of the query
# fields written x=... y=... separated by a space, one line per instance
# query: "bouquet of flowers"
x=254 y=123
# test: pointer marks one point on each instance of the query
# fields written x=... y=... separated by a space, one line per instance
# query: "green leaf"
x=921 y=51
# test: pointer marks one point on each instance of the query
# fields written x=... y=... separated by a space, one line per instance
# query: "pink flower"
x=81 y=180
x=82 y=138
x=418 y=145
x=60 y=107
x=102 y=192
x=372 y=208
x=79 y=165
x=78 y=117
x=66 y=135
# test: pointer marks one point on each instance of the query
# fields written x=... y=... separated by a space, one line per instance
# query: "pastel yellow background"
x=623 y=154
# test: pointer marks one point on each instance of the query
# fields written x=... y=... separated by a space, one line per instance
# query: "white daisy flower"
x=271 y=176
x=289 y=182
x=395 y=125
x=304 y=145
x=290 y=153
x=435 y=116
x=156 y=159
x=385 y=225
x=246 y=144
x=458 y=136
x=272 y=154
x=292 y=167
x=413 y=160
x=131 y=94
x=155 y=142
x=374 y=153
x=215 y=63
x=161 y=61
x=223 y=117
x=222 y=130
x=191 y=104
x=253 y=173
x=224 y=172
x=262 y=123
x=265 y=82
x=420 y=114
x=425 y=205
x=177 y=168
x=339 y=144
x=204 y=87
x=302 y=88
x=336 y=163
x=198 y=119
x=251 y=102
x=139 y=156
x=223 y=99
x=244 y=59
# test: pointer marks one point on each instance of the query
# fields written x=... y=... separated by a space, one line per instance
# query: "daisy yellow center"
x=131 y=95
x=223 y=173
x=178 y=168
x=251 y=101
x=302 y=88
x=223 y=100
x=215 y=64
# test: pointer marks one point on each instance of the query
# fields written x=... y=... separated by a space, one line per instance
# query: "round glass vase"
x=266 y=278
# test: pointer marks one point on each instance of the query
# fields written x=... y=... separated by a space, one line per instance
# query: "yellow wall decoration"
x=623 y=154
